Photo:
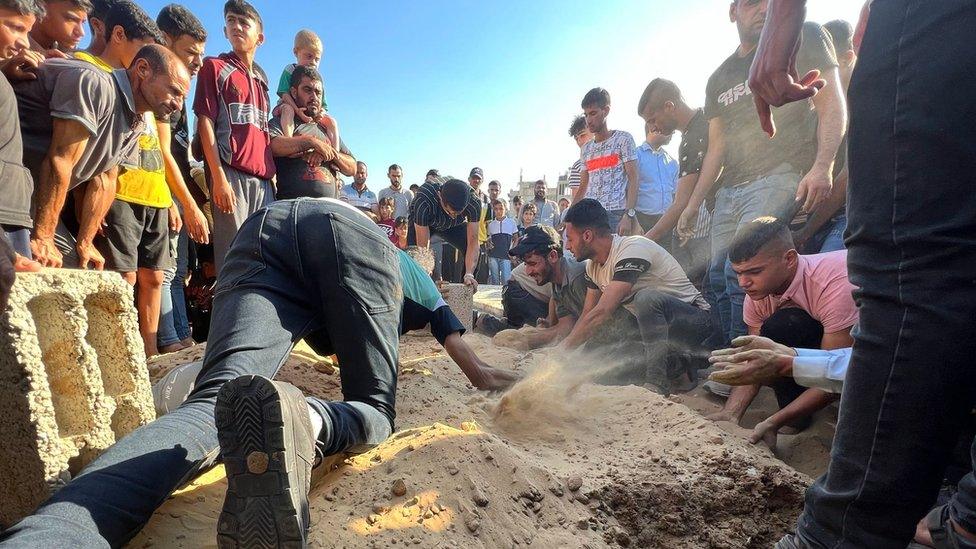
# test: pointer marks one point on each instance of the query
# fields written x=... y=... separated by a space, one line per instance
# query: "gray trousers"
x=251 y=194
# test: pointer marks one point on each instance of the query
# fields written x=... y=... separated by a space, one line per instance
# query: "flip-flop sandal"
x=944 y=536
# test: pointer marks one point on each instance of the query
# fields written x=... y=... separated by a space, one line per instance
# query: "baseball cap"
x=477 y=172
x=537 y=236
x=434 y=173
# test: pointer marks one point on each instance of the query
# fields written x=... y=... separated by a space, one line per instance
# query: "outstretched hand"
x=753 y=360
x=773 y=79
x=494 y=379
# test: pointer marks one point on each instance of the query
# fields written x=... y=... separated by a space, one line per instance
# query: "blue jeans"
x=297 y=269
x=499 y=270
x=173 y=323
x=834 y=239
x=735 y=206
x=19 y=239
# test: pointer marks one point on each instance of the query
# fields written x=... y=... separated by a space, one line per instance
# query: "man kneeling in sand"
x=309 y=268
x=796 y=300
x=541 y=253
x=637 y=292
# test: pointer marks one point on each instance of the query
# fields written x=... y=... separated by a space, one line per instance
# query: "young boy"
x=308 y=53
x=232 y=112
x=527 y=219
x=503 y=234
x=386 y=221
x=402 y=229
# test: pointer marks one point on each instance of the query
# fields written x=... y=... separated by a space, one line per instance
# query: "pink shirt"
x=820 y=287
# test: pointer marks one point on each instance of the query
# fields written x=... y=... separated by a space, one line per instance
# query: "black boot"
x=268 y=448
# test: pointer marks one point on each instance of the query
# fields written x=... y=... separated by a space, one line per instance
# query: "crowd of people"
x=735 y=248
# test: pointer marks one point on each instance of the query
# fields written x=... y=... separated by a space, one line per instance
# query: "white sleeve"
x=821 y=369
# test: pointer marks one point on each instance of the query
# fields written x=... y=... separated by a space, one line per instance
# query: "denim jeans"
x=734 y=207
x=834 y=234
x=911 y=245
x=19 y=239
x=499 y=270
x=297 y=269
x=173 y=323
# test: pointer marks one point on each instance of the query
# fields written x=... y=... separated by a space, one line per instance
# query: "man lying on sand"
x=309 y=268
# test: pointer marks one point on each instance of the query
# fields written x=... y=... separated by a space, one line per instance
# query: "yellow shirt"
x=144 y=184
x=94 y=60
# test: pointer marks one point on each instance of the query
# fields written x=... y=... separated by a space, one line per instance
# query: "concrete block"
x=73 y=380
x=460 y=298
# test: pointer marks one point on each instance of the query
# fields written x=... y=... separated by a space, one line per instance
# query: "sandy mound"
x=556 y=462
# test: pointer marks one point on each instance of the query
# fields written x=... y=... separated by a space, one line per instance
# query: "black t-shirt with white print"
x=749 y=153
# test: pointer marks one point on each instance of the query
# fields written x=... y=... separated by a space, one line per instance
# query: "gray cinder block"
x=73 y=380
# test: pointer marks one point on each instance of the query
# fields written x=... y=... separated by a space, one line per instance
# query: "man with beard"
x=637 y=291
x=541 y=253
x=79 y=124
x=306 y=163
x=548 y=211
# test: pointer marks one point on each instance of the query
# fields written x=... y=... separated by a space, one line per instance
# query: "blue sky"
x=456 y=84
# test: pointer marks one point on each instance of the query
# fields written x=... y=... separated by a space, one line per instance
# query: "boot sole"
x=258 y=511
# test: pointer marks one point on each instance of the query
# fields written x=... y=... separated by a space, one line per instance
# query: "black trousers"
x=452 y=262
x=911 y=384
x=522 y=308
x=795 y=328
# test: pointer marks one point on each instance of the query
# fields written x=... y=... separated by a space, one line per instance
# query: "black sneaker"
x=268 y=448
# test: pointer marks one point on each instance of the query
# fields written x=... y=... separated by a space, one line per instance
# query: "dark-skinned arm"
x=196 y=222
x=481 y=375
x=682 y=195
x=69 y=139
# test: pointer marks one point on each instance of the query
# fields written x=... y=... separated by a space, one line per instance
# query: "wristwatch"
x=631 y=213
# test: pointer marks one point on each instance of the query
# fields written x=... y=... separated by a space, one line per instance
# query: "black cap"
x=477 y=172
x=434 y=173
x=537 y=236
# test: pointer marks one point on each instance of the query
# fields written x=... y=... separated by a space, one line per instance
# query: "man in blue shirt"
x=357 y=194
x=657 y=178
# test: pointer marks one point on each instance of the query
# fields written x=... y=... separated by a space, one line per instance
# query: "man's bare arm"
x=196 y=222
x=472 y=252
x=592 y=318
x=826 y=211
x=69 y=139
x=99 y=193
x=832 y=119
x=346 y=163
x=682 y=195
x=221 y=193
x=422 y=235
x=711 y=168
x=580 y=193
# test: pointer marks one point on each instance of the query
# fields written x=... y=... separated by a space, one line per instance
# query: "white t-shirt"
x=646 y=264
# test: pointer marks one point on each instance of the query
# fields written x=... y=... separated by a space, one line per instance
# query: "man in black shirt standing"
x=453 y=212
x=664 y=109
x=306 y=163
x=762 y=176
